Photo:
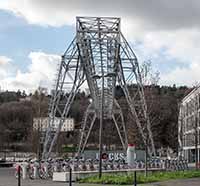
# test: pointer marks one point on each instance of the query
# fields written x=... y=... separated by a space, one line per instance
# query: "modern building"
x=42 y=124
x=189 y=126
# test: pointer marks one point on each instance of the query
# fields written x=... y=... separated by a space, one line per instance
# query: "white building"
x=42 y=124
x=27 y=98
x=189 y=126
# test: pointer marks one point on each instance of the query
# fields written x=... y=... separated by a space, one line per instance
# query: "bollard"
x=24 y=170
x=70 y=176
x=35 y=172
x=135 y=179
x=19 y=175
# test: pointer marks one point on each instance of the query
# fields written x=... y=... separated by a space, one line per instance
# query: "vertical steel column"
x=19 y=175
x=102 y=101
x=196 y=131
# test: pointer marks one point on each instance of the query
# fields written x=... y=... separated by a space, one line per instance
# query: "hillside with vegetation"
x=17 y=110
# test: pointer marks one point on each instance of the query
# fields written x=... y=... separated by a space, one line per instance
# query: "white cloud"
x=157 y=25
x=5 y=64
x=181 y=44
x=150 y=15
x=41 y=72
x=4 y=60
x=183 y=76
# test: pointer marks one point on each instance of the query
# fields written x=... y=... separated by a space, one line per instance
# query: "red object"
x=18 y=168
x=131 y=145
x=198 y=164
x=104 y=156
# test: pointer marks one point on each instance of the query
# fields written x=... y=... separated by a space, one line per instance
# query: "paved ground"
x=7 y=179
x=183 y=182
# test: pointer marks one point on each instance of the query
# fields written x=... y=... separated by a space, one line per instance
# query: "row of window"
x=189 y=139
x=189 y=123
x=191 y=106
x=68 y=124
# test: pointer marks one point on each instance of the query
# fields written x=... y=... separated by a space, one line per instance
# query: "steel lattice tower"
x=100 y=56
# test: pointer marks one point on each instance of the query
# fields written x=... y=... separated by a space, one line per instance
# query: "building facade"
x=42 y=124
x=189 y=126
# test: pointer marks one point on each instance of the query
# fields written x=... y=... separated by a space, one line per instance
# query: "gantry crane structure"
x=100 y=57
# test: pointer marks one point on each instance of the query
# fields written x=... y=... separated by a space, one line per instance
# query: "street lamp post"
x=146 y=156
x=102 y=101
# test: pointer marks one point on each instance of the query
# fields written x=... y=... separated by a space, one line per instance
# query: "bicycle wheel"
x=42 y=174
x=30 y=174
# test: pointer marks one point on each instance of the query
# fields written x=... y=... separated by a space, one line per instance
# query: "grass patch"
x=128 y=179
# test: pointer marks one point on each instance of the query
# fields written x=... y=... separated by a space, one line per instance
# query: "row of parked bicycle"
x=44 y=169
x=176 y=165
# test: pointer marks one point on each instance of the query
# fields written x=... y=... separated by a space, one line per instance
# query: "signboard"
x=112 y=156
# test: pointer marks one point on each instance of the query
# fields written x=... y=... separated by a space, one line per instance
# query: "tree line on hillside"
x=17 y=113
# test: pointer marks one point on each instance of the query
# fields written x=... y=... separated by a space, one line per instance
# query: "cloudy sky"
x=34 y=33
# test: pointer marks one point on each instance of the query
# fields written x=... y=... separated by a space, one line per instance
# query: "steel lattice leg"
x=128 y=72
x=88 y=124
x=61 y=100
x=118 y=119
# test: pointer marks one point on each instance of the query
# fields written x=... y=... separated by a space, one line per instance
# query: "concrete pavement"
x=7 y=179
x=181 y=182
